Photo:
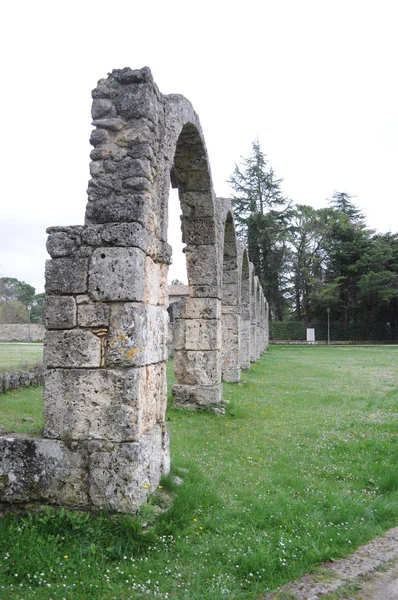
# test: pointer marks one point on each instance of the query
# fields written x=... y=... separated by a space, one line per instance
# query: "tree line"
x=316 y=261
x=17 y=300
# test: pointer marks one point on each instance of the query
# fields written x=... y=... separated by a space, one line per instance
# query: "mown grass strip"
x=301 y=469
x=19 y=356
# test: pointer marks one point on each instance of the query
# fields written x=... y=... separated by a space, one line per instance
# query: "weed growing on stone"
x=301 y=469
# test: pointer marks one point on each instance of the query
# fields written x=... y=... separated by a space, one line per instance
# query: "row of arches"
x=105 y=441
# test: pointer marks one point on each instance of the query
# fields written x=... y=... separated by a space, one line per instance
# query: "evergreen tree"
x=262 y=215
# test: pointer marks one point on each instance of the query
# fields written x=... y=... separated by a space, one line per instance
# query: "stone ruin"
x=105 y=442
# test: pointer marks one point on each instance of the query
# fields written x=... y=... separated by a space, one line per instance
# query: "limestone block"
x=197 y=368
x=123 y=475
x=198 y=231
x=155 y=286
x=139 y=101
x=63 y=243
x=125 y=208
x=197 y=334
x=198 y=308
x=197 y=204
x=104 y=404
x=102 y=108
x=66 y=275
x=93 y=315
x=117 y=234
x=139 y=133
x=245 y=344
x=137 y=335
x=60 y=312
x=190 y=396
x=41 y=470
x=202 y=264
x=206 y=291
x=72 y=348
x=117 y=274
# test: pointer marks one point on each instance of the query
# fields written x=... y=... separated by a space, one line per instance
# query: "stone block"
x=43 y=471
x=60 y=312
x=198 y=231
x=72 y=348
x=117 y=274
x=195 y=396
x=126 y=208
x=197 y=368
x=197 y=334
x=198 y=308
x=123 y=475
x=206 y=291
x=66 y=275
x=197 y=205
x=155 y=283
x=104 y=404
x=63 y=243
x=202 y=265
x=93 y=315
x=137 y=335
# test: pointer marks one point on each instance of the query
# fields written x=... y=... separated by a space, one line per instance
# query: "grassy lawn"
x=302 y=468
x=19 y=356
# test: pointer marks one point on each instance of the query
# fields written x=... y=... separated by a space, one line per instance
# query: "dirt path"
x=370 y=573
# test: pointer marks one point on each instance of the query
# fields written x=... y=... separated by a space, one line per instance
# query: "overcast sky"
x=314 y=80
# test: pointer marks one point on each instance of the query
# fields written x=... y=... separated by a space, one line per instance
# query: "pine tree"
x=262 y=214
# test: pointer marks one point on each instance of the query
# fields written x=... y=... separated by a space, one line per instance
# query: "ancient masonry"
x=105 y=442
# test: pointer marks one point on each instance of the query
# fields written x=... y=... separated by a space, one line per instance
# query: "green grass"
x=17 y=356
x=303 y=468
x=22 y=411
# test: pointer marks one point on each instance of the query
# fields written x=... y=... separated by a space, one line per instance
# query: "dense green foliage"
x=15 y=298
x=310 y=260
x=301 y=469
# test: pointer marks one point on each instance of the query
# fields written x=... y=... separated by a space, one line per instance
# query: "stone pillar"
x=253 y=315
x=245 y=281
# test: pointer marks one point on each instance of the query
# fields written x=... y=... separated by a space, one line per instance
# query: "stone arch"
x=106 y=442
x=245 y=291
x=230 y=307
x=197 y=327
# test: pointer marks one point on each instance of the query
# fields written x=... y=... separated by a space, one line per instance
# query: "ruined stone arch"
x=105 y=442
x=245 y=292
x=230 y=306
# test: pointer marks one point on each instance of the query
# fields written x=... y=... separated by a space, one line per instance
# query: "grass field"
x=19 y=356
x=302 y=468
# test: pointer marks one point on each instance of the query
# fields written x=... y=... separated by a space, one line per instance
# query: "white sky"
x=315 y=80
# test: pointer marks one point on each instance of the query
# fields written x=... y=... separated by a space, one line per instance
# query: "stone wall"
x=20 y=379
x=105 y=441
x=19 y=332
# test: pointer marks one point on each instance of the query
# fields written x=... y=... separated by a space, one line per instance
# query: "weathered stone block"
x=63 y=243
x=41 y=470
x=198 y=308
x=155 y=288
x=104 y=404
x=117 y=274
x=198 y=231
x=72 y=348
x=189 y=396
x=60 y=312
x=93 y=315
x=123 y=475
x=206 y=291
x=202 y=265
x=66 y=275
x=197 y=334
x=126 y=208
x=197 y=204
x=197 y=368
x=137 y=335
